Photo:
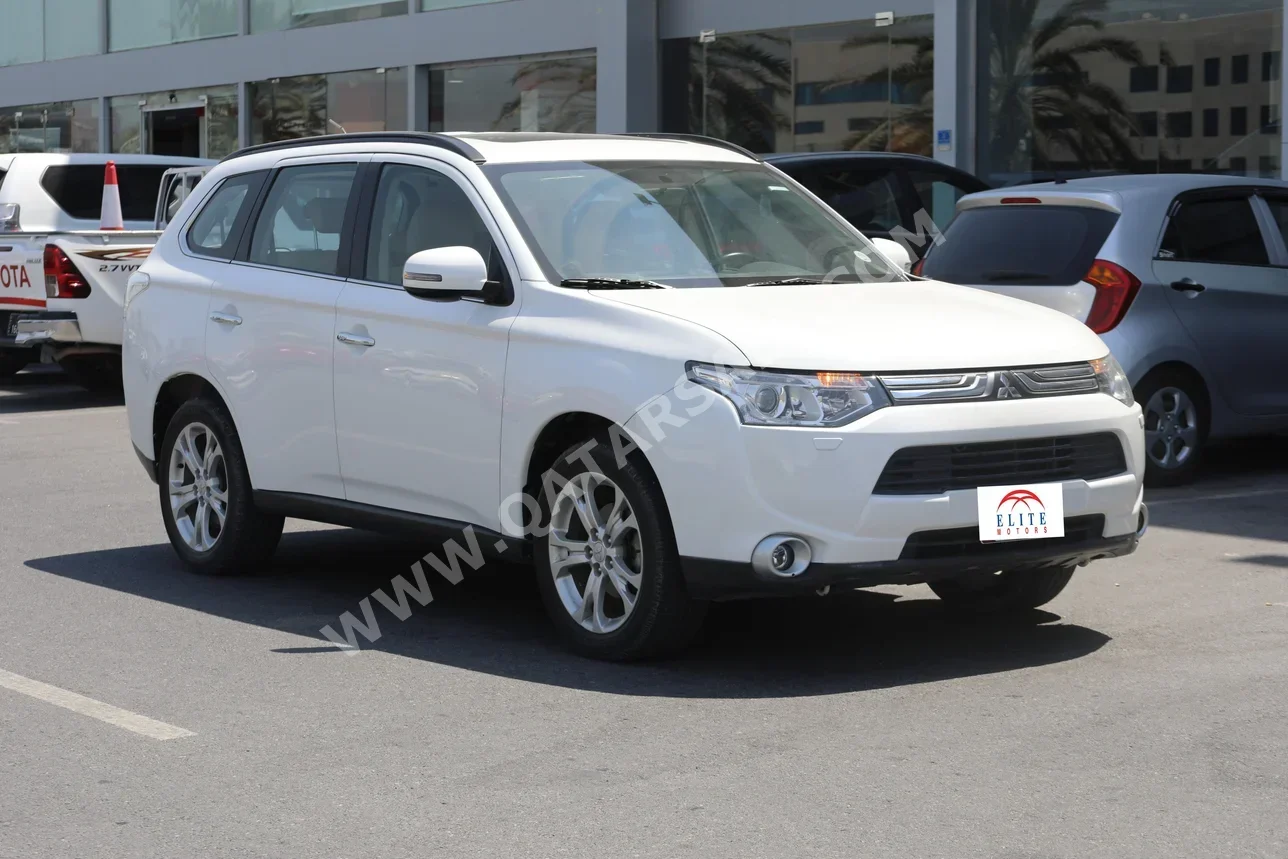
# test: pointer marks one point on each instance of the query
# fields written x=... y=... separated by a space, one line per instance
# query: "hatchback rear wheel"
x=1176 y=415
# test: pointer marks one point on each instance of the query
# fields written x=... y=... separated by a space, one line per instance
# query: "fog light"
x=781 y=556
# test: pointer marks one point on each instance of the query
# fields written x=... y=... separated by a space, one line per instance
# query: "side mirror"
x=894 y=252
x=445 y=273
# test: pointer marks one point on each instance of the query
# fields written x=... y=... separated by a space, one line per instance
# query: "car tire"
x=1009 y=591
x=616 y=592
x=12 y=361
x=1173 y=450
x=98 y=374
x=244 y=538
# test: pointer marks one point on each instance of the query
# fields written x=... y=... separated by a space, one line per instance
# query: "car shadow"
x=42 y=388
x=493 y=622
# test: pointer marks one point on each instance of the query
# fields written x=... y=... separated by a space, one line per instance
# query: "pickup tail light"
x=918 y=266
x=1116 y=288
x=62 y=278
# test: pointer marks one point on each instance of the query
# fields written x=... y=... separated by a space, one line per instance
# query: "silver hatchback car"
x=1184 y=276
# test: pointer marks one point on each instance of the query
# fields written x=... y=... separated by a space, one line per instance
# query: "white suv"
x=657 y=367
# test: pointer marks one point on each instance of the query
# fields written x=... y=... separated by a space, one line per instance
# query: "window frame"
x=501 y=266
x=1275 y=253
x=253 y=193
x=242 y=256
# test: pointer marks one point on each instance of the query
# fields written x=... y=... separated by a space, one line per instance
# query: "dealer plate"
x=1033 y=511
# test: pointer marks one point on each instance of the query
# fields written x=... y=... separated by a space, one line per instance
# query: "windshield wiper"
x=786 y=281
x=1001 y=276
x=610 y=283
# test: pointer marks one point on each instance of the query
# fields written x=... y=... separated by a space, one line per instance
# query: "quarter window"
x=416 y=210
x=216 y=229
x=1216 y=231
x=299 y=226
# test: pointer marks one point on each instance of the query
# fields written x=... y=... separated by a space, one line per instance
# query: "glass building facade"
x=1009 y=89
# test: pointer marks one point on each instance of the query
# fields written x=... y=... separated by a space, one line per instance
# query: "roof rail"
x=442 y=141
x=695 y=138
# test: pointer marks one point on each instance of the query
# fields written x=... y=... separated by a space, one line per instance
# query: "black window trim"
x=239 y=222
x=242 y=257
x=1251 y=193
x=359 y=228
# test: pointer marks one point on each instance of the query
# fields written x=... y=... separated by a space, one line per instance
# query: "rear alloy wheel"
x=206 y=500
x=1010 y=591
x=607 y=564
x=1175 y=428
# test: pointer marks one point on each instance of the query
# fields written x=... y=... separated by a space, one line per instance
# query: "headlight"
x=793 y=399
x=1112 y=380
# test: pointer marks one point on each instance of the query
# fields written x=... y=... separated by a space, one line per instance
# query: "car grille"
x=964 y=542
x=943 y=468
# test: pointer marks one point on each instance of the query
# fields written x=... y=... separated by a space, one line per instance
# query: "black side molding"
x=350 y=514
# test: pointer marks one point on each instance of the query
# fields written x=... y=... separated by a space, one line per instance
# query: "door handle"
x=1188 y=284
x=355 y=339
x=226 y=318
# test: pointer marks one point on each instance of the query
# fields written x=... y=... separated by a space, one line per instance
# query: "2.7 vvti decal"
x=118 y=259
x=1021 y=512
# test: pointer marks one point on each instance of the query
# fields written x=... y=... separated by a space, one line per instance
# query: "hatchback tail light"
x=62 y=278
x=1116 y=288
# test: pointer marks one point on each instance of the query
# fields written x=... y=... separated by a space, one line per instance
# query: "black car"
x=880 y=192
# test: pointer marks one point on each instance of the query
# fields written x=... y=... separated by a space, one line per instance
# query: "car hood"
x=887 y=327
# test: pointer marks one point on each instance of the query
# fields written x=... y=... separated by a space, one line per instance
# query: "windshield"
x=680 y=224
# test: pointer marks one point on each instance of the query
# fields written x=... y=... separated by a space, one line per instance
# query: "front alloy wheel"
x=198 y=487
x=607 y=564
x=596 y=555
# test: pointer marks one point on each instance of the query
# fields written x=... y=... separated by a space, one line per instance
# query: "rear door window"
x=1223 y=230
x=1027 y=245
x=77 y=189
x=299 y=226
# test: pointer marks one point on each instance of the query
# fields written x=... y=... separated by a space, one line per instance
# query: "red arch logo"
x=1021 y=496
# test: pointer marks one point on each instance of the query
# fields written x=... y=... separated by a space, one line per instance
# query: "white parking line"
x=1227 y=497
x=89 y=707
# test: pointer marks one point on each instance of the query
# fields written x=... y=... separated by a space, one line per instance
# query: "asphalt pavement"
x=148 y=712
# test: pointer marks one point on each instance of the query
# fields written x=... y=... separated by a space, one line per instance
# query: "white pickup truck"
x=62 y=279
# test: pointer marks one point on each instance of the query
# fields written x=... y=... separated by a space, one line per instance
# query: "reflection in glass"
x=367 y=100
x=144 y=23
x=35 y=30
x=67 y=126
x=843 y=86
x=289 y=14
x=1078 y=86
x=175 y=122
x=543 y=94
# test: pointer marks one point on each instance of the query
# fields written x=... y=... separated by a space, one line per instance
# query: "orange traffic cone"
x=111 y=217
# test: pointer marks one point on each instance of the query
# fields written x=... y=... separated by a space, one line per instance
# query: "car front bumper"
x=52 y=326
x=729 y=486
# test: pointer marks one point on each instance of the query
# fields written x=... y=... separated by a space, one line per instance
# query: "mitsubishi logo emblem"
x=1006 y=389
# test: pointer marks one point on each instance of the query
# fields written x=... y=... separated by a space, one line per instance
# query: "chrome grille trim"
x=976 y=385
